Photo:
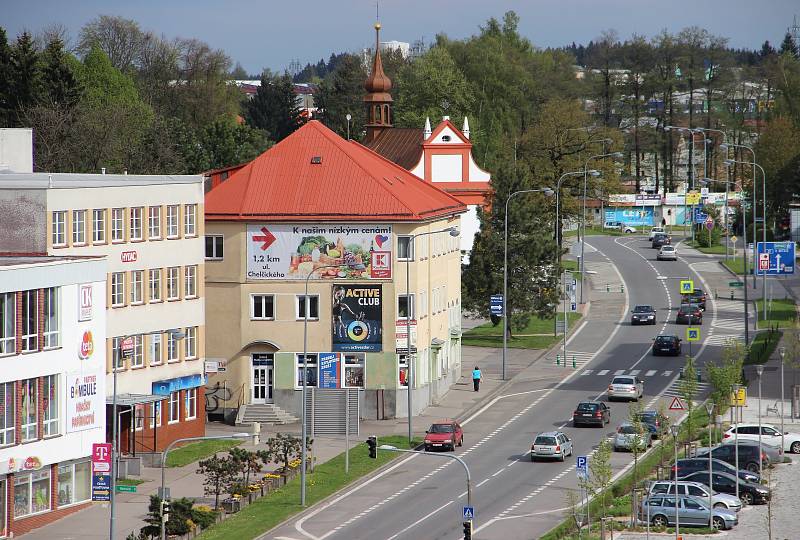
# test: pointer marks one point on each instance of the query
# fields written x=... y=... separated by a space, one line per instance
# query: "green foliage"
x=687 y=387
x=722 y=374
x=220 y=474
x=601 y=472
x=274 y=107
x=24 y=75
x=180 y=517
x=60 y=84
x=705 y=238
x=223 y=143
x=283 y=449
x=341 y=93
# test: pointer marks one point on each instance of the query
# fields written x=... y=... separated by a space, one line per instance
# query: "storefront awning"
x=129 y=400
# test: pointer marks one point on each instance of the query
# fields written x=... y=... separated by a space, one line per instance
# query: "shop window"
x=354 y=370
x=155 y=419
x=311 y=369
x=174 y=407
x=32 y=493
x=138 y=417
x=74 y=482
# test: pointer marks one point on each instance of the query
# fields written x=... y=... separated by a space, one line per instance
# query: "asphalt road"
x=422 y=496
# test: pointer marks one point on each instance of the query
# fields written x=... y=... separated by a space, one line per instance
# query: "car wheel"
x=795 y=448
x=427 y=448
x=533 y=458
x=461 y=441
x=718 y=523
x=746 y=498
x=659 y=521
x=752 y=467
x=561 y=457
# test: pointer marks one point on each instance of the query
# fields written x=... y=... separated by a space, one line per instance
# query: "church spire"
x=377 y=100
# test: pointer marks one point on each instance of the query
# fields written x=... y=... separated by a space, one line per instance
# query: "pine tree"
x=59 y=84
x=25 y=76
x=5 y=79
x=341 y=93
x=789 y=46
x=274 y=107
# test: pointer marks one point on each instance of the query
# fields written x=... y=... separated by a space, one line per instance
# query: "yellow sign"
x=739 y=398
x=687 y=286
x=693 y=197
x=692 y=333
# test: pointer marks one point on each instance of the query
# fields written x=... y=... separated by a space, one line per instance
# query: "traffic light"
x=165 y=510
x=468 y=530
x=372 y=442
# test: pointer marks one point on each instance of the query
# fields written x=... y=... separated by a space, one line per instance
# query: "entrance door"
x=261 y=378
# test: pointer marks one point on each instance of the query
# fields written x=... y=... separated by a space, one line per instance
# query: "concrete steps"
x=263 y=413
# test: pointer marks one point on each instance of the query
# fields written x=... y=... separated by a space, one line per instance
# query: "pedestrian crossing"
x=580 y=358
x=629 y=372
x=674 y=389
x=722 y=339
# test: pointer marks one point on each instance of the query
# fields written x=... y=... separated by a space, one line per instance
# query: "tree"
x=283 y=449
x=638 y=57
x=274 y=108
x=180 y=516
x=59 y=83
x=224 y=143
x=778 y=148
x=663 y=429
x=239 y=73
x=788 y=46
x=246 y=463
x=605 y=59
x=25 y=76
x=666 y=51
x=119 y=38
x=340 y=94
x=687 y=387
x=219 y=475
x=6 y=86
x=638 y=445
x=601 y=472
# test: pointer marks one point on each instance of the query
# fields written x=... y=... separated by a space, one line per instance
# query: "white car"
x=627 y=229
x=551 y=445
x=769 y=435
x=654 y=231
x=696 y=489
x=667 y=253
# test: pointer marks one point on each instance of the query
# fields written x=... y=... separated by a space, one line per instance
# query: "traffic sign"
x=775 y=258
x=126 y=489
x=692 y=333
x=677 y=404
x=709 y=223
x=496 y=305
x=734 y=239
x=469 y=513
x=687 y=286
x=582 y=467
x=693 y=197
x=739 y=398
x=735 y=284
x=699 y=216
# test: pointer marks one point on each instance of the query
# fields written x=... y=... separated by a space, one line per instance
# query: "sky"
x=270 y=34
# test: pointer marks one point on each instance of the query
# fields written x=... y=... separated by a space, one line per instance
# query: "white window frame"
x=50 y=416
x=30 y=326
x=351 y=362
x=307 y=305
x=217 y=251
x=99 y=226
x=137 y=287
x=176 y=403
x=136 y=222
x=117 y=225
x=409 y=241
x=172 y=347
x=190 y=220
x=79 y=227
x=137 y=358
x=190 y=281
x=8 y=432
x=409 y=298
x=255 y=300
x=117 y=289
x=174 y=283
x=155 y=414
x=190 y=343
x=28 y=477
x=154 y=222
x=173 y=218
x=312 y=366
x=59 y=228
x=191 y=403
x=30 y=431
x=154 y=285
x=8 y=323
x=155 y=350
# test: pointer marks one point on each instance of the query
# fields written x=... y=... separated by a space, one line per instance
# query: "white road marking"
x=619 y=372
x=482 y=482
x=603 y=372
x=634 y=372
x=420 y=520
x=587 y=372
x=650 y=373
x=666 y=373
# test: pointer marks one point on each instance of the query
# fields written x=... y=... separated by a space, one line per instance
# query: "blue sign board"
x=166 y=387
x=630 y=215
x=330 y=370
x=496 y=304
x=101 y=487
x=775 y=258
x=469 y=513
x=699 y=217
x=582 y=467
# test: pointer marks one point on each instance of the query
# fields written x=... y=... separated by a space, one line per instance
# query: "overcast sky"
x=269 y=33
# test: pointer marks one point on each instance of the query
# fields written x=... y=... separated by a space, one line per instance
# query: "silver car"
x=692 y=512
x=551 y=445
x=627 y=437
x=625 y=387
x=667 y=253
x=696 y=489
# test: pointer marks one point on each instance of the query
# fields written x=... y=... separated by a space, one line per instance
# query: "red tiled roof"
x=399 y=145
x=351 y=183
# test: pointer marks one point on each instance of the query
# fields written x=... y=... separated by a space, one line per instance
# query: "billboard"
x=85 y=402
x=334 y=251
x=330 y=370
x=357 y=317
x=630 y=216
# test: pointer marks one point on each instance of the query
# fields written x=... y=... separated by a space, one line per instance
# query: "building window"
x=154 y=222
x=402 y=369
x=117 y=360
x=136 y=222
x=30 y=328
x=99 y=225
x=190 y=281
x=190 y=342
x=262 y=307
x=137 y=358
x=172 y=347
x=174 y=407
x=214 y=246
x=137 y=286
x=59 y=228
x=74 y=483
x=173 y=283
x=155 y=285
x=310 y=303
x=155 y=420
x=172 y=221
x=78 y=227
x=191 y=403
x=405 y=248
x=354 y=370
x=8 y=323
x=118 y=289
x=155 y=349
x=138 y=417
x=50 y=405
x=32 y=492
x=8 y=417
x=117 y=224
x=190 y=220
x=311 y=369
x=405 y=306
x=30 y=412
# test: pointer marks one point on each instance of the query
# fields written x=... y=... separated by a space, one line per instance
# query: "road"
x=422 y=496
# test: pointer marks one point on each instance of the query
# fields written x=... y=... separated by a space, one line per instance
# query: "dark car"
x=591 y=413
x=444 y=434
x=660 y=240
x=773 y=452
x=667 y=345
x=654 y=420
x=749 y=492
x=688 y=466
x=697 y=297
x=643 y=315
x=689 y=314
x=748 y=456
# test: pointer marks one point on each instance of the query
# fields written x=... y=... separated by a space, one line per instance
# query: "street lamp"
x=689 y=170
x=174 y=333
x=759 y=371
x=782 y=352
x=710 y=410
x=453 y=231
x=725 y=147
x=548 y=192
x=674 y=430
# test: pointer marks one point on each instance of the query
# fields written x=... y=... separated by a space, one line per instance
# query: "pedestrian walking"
x=476 y=378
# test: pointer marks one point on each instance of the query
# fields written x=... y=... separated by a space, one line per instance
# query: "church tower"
x=378 y=101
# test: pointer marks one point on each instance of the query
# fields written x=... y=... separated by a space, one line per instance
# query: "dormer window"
x=446 y=138
x=316 y=160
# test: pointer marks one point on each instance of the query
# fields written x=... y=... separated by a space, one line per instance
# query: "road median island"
x=538 y=334
x=271 y=510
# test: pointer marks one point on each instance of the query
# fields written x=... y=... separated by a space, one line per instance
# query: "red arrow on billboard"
x=267 y=237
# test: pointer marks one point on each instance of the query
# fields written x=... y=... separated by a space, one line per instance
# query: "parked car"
x=769 y=434
x=692 y=512
x=696 y=489
x=667 y=253
x=667 y=346
x=625 y=387
x=612 y=224
x=689 y=314
x=654 y=231
x=660 y=240
x=627 y=229
x=593 y=413
x=627 y=437
x=654 y=419
x=697 y=297
x=772 y=450
x=748 y=455
x=687 y=466
x=643 y=315
x=551 y=445
x=749 y=492
x=444 y=434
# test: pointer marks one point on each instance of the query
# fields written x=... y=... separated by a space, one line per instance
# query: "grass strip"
x=130 y=481
x=718 y=249
x=191 y=452
x=538 y=334
x=328 y=478
x=780 y=313
x=762 y=347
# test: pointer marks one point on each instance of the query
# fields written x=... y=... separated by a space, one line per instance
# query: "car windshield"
x=627 y=430
x=667 y=248
x=441 y=428
x=689 y=307
x=545 y=441
x=643 y=309
x=665 y=339
x=622 y=380
x=588 y=407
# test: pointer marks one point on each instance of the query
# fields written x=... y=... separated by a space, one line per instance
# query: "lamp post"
x=725 y=147
x=759 y=371
x=782 y=352
x=735 y=388
x=674 y=430
x=724 y=141
x=453 y=231
x=710 y=411
x=583 y=216
x=546 y=191
x=689 y=171
x=189 y=439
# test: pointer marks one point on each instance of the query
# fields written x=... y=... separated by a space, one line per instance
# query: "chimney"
x=465 y=129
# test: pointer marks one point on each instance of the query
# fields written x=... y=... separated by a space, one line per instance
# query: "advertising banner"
x=675 y=199
x=101 y=472
x=400 y=333
x=630 y=216
x=357 y=318
x=334 y=251
x=85 y=401
x=648 y=200
x=330 y=370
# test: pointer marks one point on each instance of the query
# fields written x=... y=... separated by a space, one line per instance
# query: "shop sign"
x=330 y=370
x=85 y=401
x=101 y=472
x=400 y=333
x=86 y=347
x=85 y=302
x=357 y=318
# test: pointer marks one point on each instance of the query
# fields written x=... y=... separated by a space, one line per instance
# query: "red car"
x=689 y=314
x=445 y=434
